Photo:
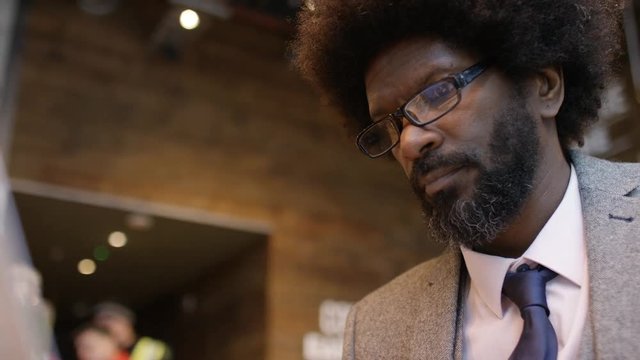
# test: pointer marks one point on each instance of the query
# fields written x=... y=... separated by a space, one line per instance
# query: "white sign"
x=333 y=316
x=327 y=345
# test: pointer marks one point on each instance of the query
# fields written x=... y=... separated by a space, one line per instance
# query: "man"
x=118 y=321
x=481 y=102
x=94 y=343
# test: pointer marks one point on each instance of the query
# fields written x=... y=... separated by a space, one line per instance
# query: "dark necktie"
x=526 y=288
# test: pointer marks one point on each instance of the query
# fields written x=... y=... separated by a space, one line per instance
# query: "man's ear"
x=549 y=91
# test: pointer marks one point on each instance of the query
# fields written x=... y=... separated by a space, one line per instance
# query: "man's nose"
x=415 y=140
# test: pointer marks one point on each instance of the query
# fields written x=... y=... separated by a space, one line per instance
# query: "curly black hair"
x=337 y=40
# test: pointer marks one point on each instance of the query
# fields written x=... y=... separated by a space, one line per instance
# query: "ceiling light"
x=117 y=239
x=86 y=267
x=189 y=19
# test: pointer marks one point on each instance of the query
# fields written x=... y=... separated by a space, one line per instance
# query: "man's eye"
x=438 y=93
x=372 y=138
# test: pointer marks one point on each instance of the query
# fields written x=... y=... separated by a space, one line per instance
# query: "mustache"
x=431 y=161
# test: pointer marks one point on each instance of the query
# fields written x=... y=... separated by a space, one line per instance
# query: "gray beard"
x=501 y=190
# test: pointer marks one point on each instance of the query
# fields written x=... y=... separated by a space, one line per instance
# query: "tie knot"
x=527 y=287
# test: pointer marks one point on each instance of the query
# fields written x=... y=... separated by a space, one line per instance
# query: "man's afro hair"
x=337 y=39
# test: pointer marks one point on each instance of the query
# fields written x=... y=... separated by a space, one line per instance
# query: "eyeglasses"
x=424 y=108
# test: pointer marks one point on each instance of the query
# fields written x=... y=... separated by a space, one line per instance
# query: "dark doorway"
x=197 y=286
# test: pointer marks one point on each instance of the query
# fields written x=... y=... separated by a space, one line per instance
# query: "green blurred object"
x=101 y=253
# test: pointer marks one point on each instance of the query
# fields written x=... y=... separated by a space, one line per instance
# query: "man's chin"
x=456 y=221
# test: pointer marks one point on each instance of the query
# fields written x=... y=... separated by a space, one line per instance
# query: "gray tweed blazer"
x=418 y=315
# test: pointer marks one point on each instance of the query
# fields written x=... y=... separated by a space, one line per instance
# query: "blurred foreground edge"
x=25 y=332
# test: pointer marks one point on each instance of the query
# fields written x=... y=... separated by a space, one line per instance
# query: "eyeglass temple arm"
x=465 y=77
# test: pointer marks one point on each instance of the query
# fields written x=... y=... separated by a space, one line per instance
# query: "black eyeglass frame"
x=459 y=80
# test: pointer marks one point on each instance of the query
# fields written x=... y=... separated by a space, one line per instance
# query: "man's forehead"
x=399 y=90
x=92 y=332
x=424 y=55
x=400 y=70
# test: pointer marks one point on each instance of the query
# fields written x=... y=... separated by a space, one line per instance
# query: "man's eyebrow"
x=430 y=77
x=418 y=84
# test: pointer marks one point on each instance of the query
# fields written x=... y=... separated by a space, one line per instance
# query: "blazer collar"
x=597 y=174
x=612 y=224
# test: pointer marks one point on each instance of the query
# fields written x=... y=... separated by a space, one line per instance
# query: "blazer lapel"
x=462 y=298
x=435 y=333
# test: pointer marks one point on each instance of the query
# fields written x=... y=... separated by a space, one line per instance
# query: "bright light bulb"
x=117 y=239
x=86 y=267
x=189 y=19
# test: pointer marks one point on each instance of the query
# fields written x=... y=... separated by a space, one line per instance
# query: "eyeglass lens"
x=432 y=102
x=380 y=137
x=428 y=105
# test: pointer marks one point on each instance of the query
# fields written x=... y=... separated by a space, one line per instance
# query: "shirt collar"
x=559 y=246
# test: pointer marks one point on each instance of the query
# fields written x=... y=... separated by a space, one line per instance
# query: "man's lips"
x=439 y=178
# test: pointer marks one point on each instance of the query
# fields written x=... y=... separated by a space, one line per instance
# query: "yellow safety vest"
x=148 y=349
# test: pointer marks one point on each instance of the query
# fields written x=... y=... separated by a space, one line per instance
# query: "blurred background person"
x=95 y=343
x=119 y=321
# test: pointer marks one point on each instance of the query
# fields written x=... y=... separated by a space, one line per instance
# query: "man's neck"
x=550 y=184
